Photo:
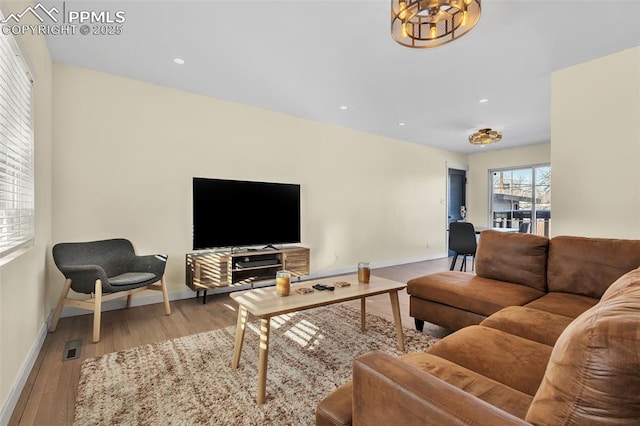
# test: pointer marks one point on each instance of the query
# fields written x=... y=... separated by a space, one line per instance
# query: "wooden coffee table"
x=263 y=303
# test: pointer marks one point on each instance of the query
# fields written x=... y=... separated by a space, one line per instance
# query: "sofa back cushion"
x=513 y=257
x=588 y=266
x=593 y=375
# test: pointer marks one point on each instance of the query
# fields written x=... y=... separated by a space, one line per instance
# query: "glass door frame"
x=533 y=219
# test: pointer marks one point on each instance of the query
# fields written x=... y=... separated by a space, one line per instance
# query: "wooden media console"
x=226 y=271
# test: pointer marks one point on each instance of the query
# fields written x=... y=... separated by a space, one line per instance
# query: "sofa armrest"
x=387 y=390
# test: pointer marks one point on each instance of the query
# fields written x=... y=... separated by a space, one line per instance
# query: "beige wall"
x=126 y=151
x=23 y=290
x=595 y=150
x=478 y=175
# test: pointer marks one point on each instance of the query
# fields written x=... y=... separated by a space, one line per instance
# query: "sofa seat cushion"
x=511 y=360
x=495 y=393
x=539 y=326
x=593 y=376
x=470 y=292
x=567 y=304
x=337 y=408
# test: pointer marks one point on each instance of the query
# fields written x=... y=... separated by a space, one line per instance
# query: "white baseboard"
x=14 y=394
x=148 y=299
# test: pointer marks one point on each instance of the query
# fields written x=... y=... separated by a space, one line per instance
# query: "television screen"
x=233 y=213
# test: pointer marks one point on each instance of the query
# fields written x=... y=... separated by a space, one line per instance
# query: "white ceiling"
x=307 y=58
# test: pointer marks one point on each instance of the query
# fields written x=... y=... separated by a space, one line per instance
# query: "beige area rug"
x=189 y=381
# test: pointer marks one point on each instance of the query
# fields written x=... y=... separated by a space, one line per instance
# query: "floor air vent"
x=72 y=350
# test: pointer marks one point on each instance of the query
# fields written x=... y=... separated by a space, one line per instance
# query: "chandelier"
x=431 y=23
x=485 y=136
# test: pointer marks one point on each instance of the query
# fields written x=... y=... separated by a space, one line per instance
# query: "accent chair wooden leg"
x=58 y=311
x=165 y=296
x=97 y=311
x=129 y=301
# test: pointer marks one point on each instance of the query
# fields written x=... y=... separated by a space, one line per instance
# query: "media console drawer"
x=212 y=270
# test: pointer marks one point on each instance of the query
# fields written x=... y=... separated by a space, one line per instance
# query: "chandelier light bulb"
x=402 y=14
x=433 y=31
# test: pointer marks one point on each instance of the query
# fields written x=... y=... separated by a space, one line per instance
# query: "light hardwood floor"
x=49 y=395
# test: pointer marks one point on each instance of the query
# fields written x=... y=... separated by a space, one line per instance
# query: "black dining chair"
x=106 y=270
x=524 y=227
x=462 y=240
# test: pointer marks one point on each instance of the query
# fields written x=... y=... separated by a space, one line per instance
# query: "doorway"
x=457 y=196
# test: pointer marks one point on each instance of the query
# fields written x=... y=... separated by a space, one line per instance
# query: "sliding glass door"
x=521 y=198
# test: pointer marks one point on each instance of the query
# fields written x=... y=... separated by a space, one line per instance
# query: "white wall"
x=595 y=149
x=126 y=151
x=23 y=291
x=478 y=175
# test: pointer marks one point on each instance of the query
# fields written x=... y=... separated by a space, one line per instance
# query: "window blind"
x=16 y=149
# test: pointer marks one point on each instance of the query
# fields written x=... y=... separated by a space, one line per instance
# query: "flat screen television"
x=234 y=213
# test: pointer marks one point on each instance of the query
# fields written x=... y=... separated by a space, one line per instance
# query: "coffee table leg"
x=363 y=311
x=395 y=307
x=262 y=359
x=237 y=349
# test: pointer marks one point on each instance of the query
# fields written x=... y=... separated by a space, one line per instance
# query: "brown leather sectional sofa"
x=545 y=338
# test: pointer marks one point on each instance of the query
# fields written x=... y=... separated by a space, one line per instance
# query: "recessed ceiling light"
x=483 y=100
x=344 y=107
x=401 y=123
x=178 y=61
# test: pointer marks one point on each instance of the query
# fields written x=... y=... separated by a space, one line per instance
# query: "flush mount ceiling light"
x=485 y=136
x=431 y=23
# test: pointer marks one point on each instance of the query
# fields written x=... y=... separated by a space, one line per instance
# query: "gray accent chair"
x=107 y=270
